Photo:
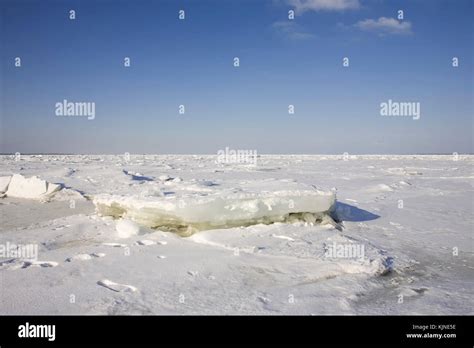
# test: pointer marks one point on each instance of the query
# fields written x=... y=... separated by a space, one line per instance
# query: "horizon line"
x=215 y=154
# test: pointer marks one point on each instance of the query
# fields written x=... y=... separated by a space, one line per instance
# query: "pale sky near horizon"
x=190 y=62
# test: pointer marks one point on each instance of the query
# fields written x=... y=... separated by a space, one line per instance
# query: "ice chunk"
x=137 y=176
x=145 y=242
x=4 y=181
x=23 y=187
x=254 y=202
x=33 y=187
x=116 y=286
x=52 y=188
x=79 y=257
x=127 y=228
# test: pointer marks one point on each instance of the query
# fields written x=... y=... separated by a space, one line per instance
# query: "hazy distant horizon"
x=214 y=154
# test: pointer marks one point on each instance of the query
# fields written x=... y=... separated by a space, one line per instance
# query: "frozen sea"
x=184 y=234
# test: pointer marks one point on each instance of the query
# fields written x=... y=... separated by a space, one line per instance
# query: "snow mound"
x=253 y=202
x=32 y=188
x=126 y=229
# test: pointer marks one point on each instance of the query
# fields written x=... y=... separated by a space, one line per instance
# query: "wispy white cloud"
x=291 y=30
x=384 y=26
x=301 y=6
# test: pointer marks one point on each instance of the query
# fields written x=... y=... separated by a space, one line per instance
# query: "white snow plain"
x=164 y=234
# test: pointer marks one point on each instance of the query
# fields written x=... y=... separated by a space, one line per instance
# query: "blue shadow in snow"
x=346 y=212
x=137 y=177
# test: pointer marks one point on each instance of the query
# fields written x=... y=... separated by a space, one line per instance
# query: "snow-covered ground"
x=187 y=235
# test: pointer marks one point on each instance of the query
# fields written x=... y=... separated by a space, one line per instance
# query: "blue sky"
x=282 y=62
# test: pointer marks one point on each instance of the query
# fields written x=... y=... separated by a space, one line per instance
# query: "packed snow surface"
x=268 y=238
